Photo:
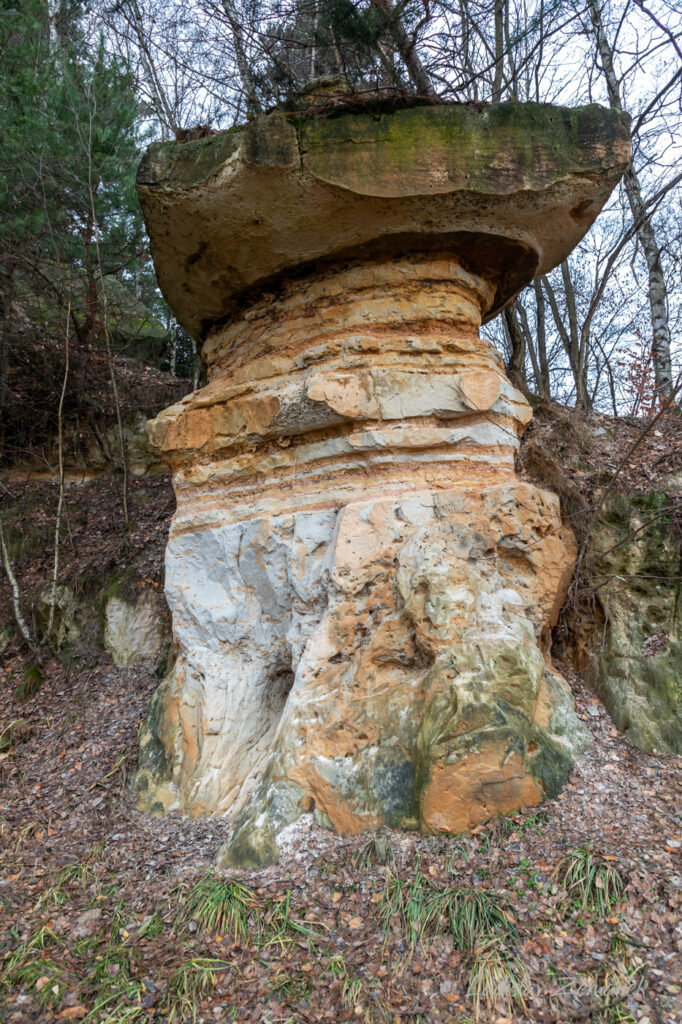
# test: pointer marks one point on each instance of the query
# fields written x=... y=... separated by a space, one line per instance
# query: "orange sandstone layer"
x=362 y=591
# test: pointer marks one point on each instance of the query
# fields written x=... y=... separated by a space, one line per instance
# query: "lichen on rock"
x=636 y=652
x=68 y=616
x=362 y=590
x=133 y=630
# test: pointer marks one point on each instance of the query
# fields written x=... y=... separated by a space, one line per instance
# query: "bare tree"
x=646 y=234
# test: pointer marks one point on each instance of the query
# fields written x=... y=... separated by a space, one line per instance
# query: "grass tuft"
x=590 y=884
x=16 y=731
x=26 y=951
x=55 y=896
x=220 y=907
x=151 y=928
x=498 y=980
x=32 y=680
x=355 y=995
x=472 y=916
x=188 y=984
x=112 y=984
x=279 y=925
x=26 y=967
x=407 y=903
x=292 y=985
x=377 y=849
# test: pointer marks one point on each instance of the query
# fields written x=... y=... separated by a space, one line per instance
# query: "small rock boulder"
x=133 y=632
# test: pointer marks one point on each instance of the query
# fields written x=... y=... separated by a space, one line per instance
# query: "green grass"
x=189 y=984
x=589 y=883
x=608 y=991
x=294 y=985
x=279 y=925
x=126 y=1015
x=221 y=907
x=42 y=979
x=31 y=681
x=111 y=981
x=498 y=980
x=405 y=903
x=355 y=995
x=55 y=896
x=26 y=967
x=471 y=916
x=151 y=928
x=27 y=950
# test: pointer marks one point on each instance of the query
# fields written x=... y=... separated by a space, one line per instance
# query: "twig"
x=21 y=621
x=60 y=503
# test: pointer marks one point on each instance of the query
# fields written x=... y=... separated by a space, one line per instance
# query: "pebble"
x=87 y=924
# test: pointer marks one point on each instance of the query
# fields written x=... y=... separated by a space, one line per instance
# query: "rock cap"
x=509 y=189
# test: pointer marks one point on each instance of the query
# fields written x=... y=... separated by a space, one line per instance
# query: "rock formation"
x=631 y=641
x=362 y=590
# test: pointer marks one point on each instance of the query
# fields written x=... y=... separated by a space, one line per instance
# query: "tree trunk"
x=570 y=339
x=163 y=109
x=499 y=51
x=5 y=319
x=53 y=11
x=646 y=236
x=541 y=332
x=578 y=343
x=405 y=47
x=516 y=368
x=253 y=105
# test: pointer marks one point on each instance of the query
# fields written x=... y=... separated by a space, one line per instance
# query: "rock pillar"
x=362 y=589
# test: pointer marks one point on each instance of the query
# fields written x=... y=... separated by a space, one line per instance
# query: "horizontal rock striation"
x=374 y=370
x=362 y=590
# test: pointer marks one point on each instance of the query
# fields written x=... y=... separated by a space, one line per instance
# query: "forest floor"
x=105 y=911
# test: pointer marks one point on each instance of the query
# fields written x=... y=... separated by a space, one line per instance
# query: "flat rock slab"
x=510 y=188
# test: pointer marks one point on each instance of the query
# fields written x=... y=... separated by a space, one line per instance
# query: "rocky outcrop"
x=133 y=631
x=362 y=590
x=634 y=655
x=68 y=617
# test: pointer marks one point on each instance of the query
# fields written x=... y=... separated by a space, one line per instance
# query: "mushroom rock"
x=362 y=589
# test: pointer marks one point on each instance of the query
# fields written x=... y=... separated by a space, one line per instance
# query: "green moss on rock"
x=636 y=665
x=153 y=780
x=254 y=843
x=445 y=147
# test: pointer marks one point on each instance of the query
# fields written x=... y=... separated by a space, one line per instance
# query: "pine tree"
x=69 y=145
x=71 y=233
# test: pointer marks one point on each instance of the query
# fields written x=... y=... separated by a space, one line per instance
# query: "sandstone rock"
x=635 y=651
x=68 y=620
x=362 y=590
x=524 y=180
x=133 y=632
